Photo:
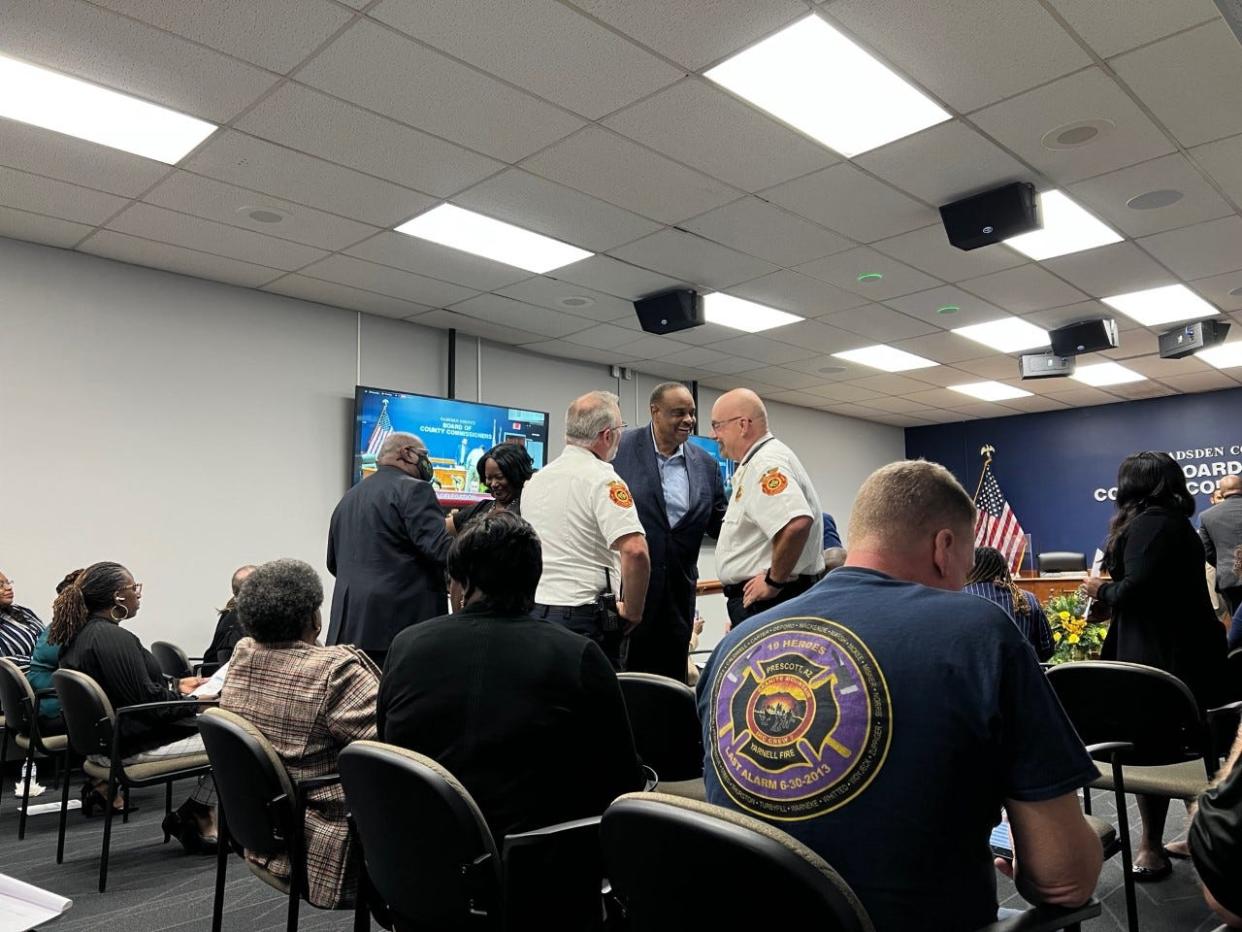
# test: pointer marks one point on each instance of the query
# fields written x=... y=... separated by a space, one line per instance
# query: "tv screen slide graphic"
x=726 y=465
x=457 y=434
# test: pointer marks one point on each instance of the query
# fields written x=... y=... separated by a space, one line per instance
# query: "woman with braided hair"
x=991 y=579
x=86 y=623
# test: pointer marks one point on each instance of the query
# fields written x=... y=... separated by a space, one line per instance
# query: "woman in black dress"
x=504 y=469
x=1162 y=613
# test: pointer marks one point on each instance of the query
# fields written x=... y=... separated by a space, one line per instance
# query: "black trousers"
x=659 y=646
x=584 y=620
x=739 y=612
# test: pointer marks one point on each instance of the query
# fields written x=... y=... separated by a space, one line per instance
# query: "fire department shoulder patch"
x=619 y=492
x=774 y=482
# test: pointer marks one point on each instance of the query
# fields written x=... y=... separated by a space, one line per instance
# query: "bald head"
x=1230 y=485
x=739 y=419
x=742 y=401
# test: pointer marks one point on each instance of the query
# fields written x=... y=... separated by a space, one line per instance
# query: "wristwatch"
x=767 y=578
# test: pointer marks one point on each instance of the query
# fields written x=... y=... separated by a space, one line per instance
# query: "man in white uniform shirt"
x=593 y=542
x=770 y=547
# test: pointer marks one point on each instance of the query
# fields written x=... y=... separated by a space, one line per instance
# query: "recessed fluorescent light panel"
x=1166 y=305
x=1008 y=335
x=990 y=391
x=728 y=311
x=66 y=105
x=1106 y=373
x=457 y=228
x=1067 y=228
x=818 y=81
x=886 y=358
x=1226 y=356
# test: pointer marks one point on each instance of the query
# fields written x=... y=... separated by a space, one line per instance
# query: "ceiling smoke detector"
x=1073 y=135
x=263 y=214
x=1153 y=200
x=575 y=300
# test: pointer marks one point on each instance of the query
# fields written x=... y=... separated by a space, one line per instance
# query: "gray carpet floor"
x=152 y=886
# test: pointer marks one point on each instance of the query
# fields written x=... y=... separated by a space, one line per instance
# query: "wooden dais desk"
x=1044 y=587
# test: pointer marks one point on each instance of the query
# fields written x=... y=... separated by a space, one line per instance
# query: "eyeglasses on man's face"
x=716 y=425
x=6 y=584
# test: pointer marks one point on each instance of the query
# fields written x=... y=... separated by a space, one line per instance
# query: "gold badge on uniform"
x=620 y=494
x=773 y=482
x=737 y=496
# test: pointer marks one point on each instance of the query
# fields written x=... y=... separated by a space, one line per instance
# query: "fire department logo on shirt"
x=774 y=482
x=802 y=719
x=620 y=494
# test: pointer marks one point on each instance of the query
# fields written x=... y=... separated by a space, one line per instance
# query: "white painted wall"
x=183 y=427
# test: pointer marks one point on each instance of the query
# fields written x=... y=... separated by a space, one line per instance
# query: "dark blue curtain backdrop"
x=1057 y=468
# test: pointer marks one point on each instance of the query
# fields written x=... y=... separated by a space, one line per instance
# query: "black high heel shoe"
x=93 y=798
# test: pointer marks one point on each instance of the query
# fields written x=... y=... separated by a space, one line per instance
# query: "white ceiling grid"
x=590 y=121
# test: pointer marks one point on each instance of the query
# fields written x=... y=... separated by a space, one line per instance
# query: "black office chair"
x=260 y=809
x=428 y=852
x=657 y=847
x=21 y=717
x=172 y=660
x=94 y=731
x=1061 y=561
x=664 y=718
x=552 y=878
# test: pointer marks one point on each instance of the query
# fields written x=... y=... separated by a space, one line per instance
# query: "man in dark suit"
x=387 y=546
x=680 y=497
x=1220 y=527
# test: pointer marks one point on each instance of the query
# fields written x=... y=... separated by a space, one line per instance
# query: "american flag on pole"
x=383 y=427
x=997 y=526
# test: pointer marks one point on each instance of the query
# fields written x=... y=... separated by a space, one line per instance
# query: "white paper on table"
x=24 y=906
x=213 y=686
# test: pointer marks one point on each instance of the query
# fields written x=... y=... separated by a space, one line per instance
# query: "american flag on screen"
x=997 y=526
x=383 y=427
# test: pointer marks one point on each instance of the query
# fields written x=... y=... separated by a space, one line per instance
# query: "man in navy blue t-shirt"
x=884 y=721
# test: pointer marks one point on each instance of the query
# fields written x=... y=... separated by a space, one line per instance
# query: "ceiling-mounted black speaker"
x=992 y=216
x=1190 y=338
x=1046 y=366
x=670 y=311
x=1088 y=336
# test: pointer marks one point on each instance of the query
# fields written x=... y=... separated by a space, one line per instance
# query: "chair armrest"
x=45 y=694
x=1233 y=708
x=1045 y=918
x=1109 y=748
x=168 y=704
x=535 y=835
x=316 y=783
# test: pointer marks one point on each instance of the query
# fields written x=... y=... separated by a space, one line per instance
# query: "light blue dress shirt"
x=675 y=480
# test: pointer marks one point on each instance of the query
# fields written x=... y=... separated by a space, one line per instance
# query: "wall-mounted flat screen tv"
x=457 y=434
x=726 y=465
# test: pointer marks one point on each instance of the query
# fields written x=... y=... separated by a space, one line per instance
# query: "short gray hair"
x=588 y=415
x=278 y=599
x=393 y=443
x=902 y=500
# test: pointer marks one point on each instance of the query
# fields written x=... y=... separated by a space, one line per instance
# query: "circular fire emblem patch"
x=802 y=719
x=620 y=495
x=774 y=482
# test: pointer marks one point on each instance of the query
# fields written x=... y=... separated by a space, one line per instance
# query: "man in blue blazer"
x=680 y=497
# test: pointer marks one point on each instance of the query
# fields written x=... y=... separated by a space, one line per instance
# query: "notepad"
x=213 y=686
x=24 y=906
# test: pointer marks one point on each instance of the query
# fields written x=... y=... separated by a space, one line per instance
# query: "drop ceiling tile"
x=1026 y=288
x=1211 y=248
x=969 y=52
x=40 y=195
x=1107 y=195
x=517 y=41
x=170 y=258
x=226 y=203
x=261 y=166
x=844 y=268
x=605 y=165
x=1112 y=26
x=816 y=335
x=1200 y=381
x=603 y=336
x=944 y=163
x=166 y=226
x=1202 y=104
x=1138 y=342
x=447 y=320
x=693 y=259
x=54 y=155
x=705 y=335
x=860 y=412
x=878 y=323
x=81 y=39
x=1020 y=124
x=697 y=356
x=1072 y=313
x=924 y=305
x=35 y=228
x=762 y=349
x=695 y=33
x=898 y=405
x=1133 y=391
x=890 y=384
x=1082 y=396
x=905 y=420
x=346 y=270
x=1108 y=270
x=312 y=289
x=386 y=72
x=984 y=409
x=331 y=129
x=843 y=391
x=728 y=365
x=801 y=399
x=940 y=347
x=1036 y=403
x=1223 y=161
x=649 y=346
x=273 y=34
x=800 y=294
x=702 y=126
x=575 y=351
x=611 y=276
x=1156 y=368
x=1220 y=289
x=550 y=293
x=436 y=261
x=945 y=376
x=510 y=313
x=784 y=378
x=554 y=210
x=930 y=251
x=997 y=366
x=846 y=200
x=730 y=382
x=764 y=230
x=935 y=397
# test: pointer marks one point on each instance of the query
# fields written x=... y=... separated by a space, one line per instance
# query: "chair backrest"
x=89 y=718
x=665 y=720
x=17 y=699
x=1061 y=561
x=1153 y=710
x=251 y=783
x=429 y=853
x=659 y=850
x=172 y=659
x=552 y=877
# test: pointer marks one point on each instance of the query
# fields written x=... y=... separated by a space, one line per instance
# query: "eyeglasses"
x=716 y=425
x=621 y=426
x=6 y=584
x=137 y=587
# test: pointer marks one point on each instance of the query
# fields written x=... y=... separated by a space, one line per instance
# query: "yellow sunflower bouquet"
x=1073 y=636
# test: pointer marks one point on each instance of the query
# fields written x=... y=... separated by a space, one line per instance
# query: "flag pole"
x=986 y=452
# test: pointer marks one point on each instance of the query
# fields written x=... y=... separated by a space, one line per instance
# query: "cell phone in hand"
x=1001 y=841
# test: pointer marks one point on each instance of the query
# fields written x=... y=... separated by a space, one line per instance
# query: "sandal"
x=1151 y=874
